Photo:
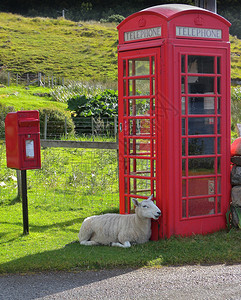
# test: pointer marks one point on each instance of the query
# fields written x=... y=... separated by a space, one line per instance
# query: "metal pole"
x=24 y=202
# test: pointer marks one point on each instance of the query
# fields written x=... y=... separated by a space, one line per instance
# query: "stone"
x=236 y=175
x=236 y=195
x=236 y=160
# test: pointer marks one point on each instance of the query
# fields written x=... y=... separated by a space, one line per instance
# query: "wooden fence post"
x=8 y=78
x=45 y=126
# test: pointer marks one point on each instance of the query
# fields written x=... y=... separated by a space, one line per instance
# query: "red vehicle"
x=174 y=116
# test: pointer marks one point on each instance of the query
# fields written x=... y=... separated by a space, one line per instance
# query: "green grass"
x=65 y=191
x=22 y=98
x=58 y=47
x=73 y=50
x=45 y=247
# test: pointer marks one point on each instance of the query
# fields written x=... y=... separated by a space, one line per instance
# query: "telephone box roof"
x=171 y=11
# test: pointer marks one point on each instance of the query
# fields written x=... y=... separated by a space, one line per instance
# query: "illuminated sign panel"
x=206 y=33
x=142 y=34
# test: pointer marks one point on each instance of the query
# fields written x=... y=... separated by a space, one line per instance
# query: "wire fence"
x=7 y=78
x=77 y=169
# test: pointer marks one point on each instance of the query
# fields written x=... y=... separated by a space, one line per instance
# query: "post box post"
x=22 y=135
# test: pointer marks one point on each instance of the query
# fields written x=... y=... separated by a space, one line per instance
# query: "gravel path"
x=189 y=282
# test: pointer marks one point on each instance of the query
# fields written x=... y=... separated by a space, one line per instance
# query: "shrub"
x=113 y=18
x=102 y=107
x=4 y=110
x=56 y=122
x=104 y=104
x=236 y=105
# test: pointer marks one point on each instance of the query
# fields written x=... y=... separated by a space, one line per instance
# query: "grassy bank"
x=44 y=249
x=73 y=50
x=58 y=47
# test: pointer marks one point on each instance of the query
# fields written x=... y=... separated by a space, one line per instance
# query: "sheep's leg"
x=125 y=245
x=89 y=243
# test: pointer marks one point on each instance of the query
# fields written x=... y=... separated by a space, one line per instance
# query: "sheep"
x=120 y=230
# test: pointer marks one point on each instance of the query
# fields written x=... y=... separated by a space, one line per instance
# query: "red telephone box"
x=22 y=134
x=174 y=116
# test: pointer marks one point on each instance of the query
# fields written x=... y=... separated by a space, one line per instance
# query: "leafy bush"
x=56 y=120
x=104 y=104
x=4 y=110
x=113 y=18
x=236 y=105
x=102 y=107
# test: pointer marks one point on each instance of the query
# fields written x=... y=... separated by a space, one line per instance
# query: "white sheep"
x=120 y=230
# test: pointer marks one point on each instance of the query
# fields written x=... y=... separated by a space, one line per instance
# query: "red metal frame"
x=171 y=51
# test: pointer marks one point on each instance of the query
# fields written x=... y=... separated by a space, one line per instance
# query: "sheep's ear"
x=150 y=198
x=135 y=202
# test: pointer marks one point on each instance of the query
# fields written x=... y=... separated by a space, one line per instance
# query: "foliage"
x=4 y=110
x=104 y=104
x=113 y=18
x=57 y=120
x=77 y=51
x=235 y=105
x=62 y=93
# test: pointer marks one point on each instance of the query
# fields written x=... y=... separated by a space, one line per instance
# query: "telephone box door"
x=138 y=85
x=204 y=138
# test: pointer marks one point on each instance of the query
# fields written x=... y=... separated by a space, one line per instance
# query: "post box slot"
x=28 y=123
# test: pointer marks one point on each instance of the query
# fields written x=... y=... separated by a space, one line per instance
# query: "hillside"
x=57 y=46
x=83 y=50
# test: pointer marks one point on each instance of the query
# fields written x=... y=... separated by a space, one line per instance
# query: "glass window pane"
x=124 y=87
x=139 y=127
x=139 y=87
x=201 y=186
x=183 y=84
x=200 y=64
x=125 y=166
x=219 y=126
x=140 y=167
x=201 y=125
x=153 y=65
x=219 y=204
x=139 y=67
x=201 y=105
x=201 y=207
x=124 y=67
x=201 y=166
x=140 y=147
x=219 y=106
x=183 y=147
x=201 y=146
x=183 y=64
x=200 y=85
x=153 y=86
x=184 y=186
x=183 y=105
x=218 y=65
x=184 y=211
x=183 y=167
x=219 y=85
x=140 y=186
x=183 y=126
x=139 y=107
x=219 y=145
x=153 y=107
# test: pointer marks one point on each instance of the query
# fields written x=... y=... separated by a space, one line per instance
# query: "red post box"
x=22 y=133
x=174 y=116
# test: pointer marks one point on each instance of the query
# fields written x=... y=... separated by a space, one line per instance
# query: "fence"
x=82 y=126
x=39 y=79
x=74 y=173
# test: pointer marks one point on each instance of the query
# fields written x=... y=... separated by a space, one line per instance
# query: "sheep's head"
x=147 y=208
